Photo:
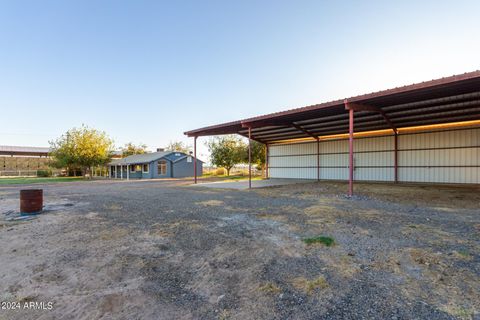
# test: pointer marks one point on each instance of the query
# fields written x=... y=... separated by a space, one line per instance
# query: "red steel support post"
x=266 y=161
x=250 y=157
x=318 y=159
x=350 y=158
x=195 y=159
x=395 y=157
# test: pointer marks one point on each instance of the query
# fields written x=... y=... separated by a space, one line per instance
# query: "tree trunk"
x=228 y=171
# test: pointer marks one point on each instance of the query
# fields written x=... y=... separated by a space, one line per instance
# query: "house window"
x=162 y=167
x=132 y=168
x=145 y=168
x=189 y=159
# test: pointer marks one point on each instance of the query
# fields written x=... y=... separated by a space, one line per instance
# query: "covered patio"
x=450 y=102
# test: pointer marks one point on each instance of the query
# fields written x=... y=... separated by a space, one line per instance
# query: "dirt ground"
x=163 y=250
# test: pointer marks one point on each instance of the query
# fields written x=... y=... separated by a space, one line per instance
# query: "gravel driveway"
x=164 y=250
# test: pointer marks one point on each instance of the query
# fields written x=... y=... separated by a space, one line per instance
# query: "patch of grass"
x=270 y=287
x=309 y=286
x=327 y=241
x=463 y=254
x=7 y=181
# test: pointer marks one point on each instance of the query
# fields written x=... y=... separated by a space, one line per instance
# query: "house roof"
x=141 y=158
x=450 y=99
x=17 y=150
x=148 y=157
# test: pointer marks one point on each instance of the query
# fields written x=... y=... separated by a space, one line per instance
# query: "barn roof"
x=450 y=99
x=30 y=151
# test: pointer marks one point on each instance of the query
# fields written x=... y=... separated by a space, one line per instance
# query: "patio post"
x=318 y=159
x=395 y=157
x=350 y=157
x=249 y=157
x=121 y=172
x=195 y=159
x=128 y=172
x=266 y=161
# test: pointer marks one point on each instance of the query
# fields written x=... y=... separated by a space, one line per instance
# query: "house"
x=161 y=164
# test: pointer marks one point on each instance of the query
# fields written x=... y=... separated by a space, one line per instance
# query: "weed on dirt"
x=327 y=241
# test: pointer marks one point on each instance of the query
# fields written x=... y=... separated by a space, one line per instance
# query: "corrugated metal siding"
x=449 y=156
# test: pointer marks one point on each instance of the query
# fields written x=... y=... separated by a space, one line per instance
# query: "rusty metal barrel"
x=31 y=200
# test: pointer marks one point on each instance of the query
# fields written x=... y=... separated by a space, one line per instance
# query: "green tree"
x=82 y=148
x=178 y=146
x=130 y=148
x=258 y=154
x=226 y=151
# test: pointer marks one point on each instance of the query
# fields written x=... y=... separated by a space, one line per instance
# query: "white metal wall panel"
x=451 y=156
x=297 y=161
x=293 y=173
x=447 y=156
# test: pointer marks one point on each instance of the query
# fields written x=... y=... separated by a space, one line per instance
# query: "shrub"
x=44 y=173
x=220 y=172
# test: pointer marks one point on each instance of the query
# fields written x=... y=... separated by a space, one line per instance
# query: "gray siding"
x=156 y=174
x=183 y=168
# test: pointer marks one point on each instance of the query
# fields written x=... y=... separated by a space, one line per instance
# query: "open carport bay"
x=159 y=250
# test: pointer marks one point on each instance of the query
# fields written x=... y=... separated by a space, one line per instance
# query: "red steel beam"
x=318 y=159
x=195 y=159
x=304 y=131
x=249 y=158
x=363 y=107
x=350 y=148
x=395 y=157
x=266 y=161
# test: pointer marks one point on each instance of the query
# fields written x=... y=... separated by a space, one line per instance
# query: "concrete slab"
x=243 y=184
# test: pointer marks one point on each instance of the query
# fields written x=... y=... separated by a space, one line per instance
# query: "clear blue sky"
x=146 y=71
